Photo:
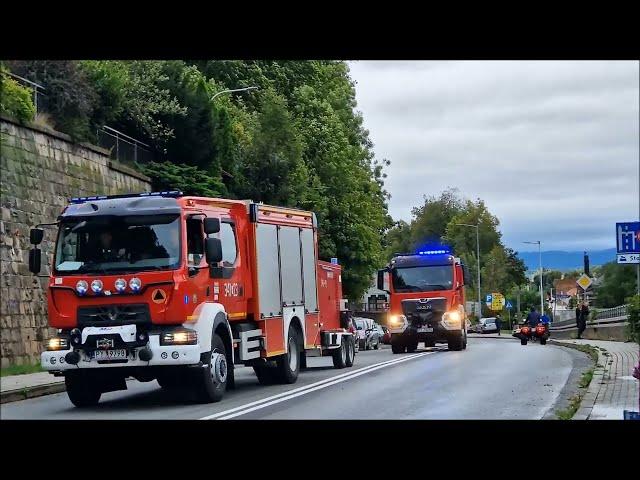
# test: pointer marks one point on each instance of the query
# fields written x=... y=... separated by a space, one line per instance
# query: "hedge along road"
x=493 y=379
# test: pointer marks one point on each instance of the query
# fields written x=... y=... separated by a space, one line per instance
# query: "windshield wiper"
x=91 y=266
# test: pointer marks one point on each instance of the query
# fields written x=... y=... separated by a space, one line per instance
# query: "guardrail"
x=39 y=97
x=619 y=311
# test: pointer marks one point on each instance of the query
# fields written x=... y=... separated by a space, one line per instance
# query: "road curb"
x=589 y=398
x=31 y=392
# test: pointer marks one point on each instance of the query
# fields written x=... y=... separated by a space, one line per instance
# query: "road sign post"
x=628 y=245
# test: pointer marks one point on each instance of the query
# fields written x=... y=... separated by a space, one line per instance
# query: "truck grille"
x=426 y=312
x=111 y=315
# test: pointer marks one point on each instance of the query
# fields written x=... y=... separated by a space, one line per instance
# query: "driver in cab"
x=106 y=251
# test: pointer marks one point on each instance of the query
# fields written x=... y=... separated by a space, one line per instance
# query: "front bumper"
x=162 y=355
x=437 y=327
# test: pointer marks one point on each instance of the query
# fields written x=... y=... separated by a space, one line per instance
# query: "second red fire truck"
x=180 y=289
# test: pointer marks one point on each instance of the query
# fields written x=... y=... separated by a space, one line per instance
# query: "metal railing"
x=40 y=99
x=123 y=148
x=615 y=312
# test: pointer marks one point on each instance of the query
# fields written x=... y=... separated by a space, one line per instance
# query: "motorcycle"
x=526 y=333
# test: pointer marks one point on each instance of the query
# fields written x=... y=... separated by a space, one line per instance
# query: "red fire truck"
x=180 y=289
x=426 y=291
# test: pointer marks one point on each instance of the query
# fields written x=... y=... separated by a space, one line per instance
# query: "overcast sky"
x=551 y=147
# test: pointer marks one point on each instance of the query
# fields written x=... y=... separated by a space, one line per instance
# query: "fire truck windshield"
x=423 y=278
x=118 y=244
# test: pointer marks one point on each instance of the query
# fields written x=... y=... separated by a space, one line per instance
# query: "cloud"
x=552 y=147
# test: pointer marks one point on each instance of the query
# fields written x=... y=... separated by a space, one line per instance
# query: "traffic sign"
x=509 y=306
x=497 y=301
x=629 y=258
x=628 y=237
x=584 y=281
x=489 y=299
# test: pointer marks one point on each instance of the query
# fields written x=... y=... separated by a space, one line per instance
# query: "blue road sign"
x=509 y=306
x=628 y=237
x=489 y=298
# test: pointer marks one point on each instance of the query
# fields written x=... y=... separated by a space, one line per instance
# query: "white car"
x=487 y=325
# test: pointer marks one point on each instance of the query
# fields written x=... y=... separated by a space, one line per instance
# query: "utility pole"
x=478 y=256
x=540 y=265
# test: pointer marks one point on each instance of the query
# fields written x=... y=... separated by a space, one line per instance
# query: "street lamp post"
x=540 y=266
x=478 y=255
x=234 y=90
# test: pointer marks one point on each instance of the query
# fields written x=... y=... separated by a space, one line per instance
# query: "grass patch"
x=570 y=411
x=585 y=380
x=588 y=349
x=20 y=370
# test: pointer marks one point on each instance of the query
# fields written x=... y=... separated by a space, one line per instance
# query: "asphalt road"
x=492 y=379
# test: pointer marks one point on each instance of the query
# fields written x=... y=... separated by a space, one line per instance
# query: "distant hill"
x=563 y=261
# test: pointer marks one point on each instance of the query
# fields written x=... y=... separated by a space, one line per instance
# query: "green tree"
x=15 y=100
x=618 y=283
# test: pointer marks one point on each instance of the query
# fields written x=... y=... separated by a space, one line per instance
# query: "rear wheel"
x=340 y=354
x=523 y=341
x=288 y=365
x=377 y=346
x=543 y=341
x=351 y=351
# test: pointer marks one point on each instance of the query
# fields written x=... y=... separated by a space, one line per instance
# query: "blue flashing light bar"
x=171 y=193
x=434 y=252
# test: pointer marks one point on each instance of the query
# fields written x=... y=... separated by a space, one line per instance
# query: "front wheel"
x=377 y=346
x=523 y=341
x=456 y=344
x=211 y=381
x=397 y=345
x=543 y=341
x=81 y=391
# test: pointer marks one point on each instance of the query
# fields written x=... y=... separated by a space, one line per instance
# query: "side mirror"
x=211 y=225
x=213 y=250
x=35 y=260
x=35 y=236
x=381 y=279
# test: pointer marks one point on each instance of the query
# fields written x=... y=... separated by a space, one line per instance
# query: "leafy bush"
x=16 y=100
x=190 y=180
x=633 y=311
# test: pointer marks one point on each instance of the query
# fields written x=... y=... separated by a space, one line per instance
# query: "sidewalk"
x=613 y=388
x=19 y=387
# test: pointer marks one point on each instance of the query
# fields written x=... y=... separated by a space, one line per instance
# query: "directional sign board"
x=628 y=237
x=584 y=281
x=509 y=306
x=629 y=258
x=497 y=301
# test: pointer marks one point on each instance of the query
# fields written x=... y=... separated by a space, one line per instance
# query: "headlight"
x=120 y=285
x=135 y=284
x=397 y=320
x=179 y=337
x=57 y=343
x=96 y=286
x=82 y=287
x=453 y=317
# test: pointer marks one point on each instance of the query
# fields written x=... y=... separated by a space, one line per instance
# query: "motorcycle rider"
x=533 y=318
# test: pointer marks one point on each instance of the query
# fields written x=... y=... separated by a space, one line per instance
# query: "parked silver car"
x=368 y=336
x=487 y=325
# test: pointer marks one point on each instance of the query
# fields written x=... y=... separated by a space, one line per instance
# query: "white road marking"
x=281 y=397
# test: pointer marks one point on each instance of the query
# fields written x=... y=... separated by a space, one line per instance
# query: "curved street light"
x=234 y=90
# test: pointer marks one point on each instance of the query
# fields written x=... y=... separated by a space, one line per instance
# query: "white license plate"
x=426 y=329
x=111 y=354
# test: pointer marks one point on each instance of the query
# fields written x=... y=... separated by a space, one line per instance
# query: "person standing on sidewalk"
x=578 y=317
x=498 y=323
x=584 y=316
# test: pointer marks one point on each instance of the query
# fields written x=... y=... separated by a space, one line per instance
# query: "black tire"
x=464 y=341
x=456 y=343
x=412 y=347
x=397 y=345
x=266 y=375
x=543 y=341
x=351 y=351
x=81 y=391
x=288 y=365
x=207 y=389
x=523 y=341
x=340 y=355
x=362 y=344
x=377 y=345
